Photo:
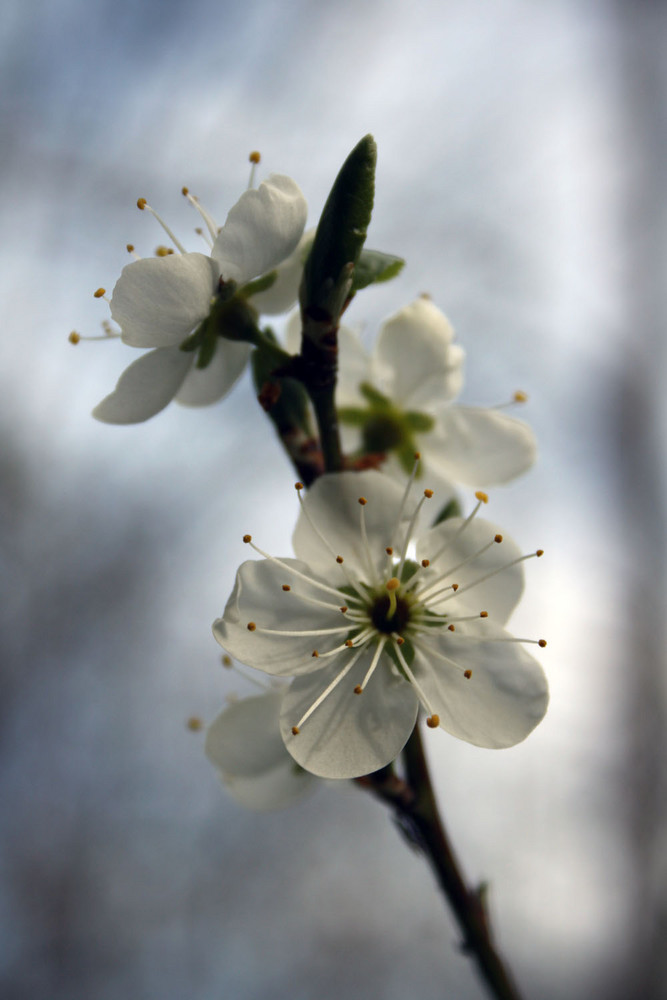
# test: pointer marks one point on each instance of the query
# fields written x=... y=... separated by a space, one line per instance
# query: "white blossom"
x=245 y=746
x=373 y=618
x=159 y=302
x=401 y=400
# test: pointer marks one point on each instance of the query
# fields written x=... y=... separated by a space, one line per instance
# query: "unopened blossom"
x=160 y=302
x=245 y=746
x=374 y=618
x=401 y=399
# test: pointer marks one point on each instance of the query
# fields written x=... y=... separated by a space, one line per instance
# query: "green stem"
x=317 y=368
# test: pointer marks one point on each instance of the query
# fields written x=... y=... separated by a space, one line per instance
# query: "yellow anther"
x=226 y=660
x=344 y=608
x=339 y=560
x=247 y=538
x=141 y=203
x=428 y=494
x=286 y=587
x=399 y=640
x=540 y=552
x=484 y=614
x=251 y=626
x=542 y=643
x=455 y=587
x=315 y=653
x=358 y=689
x=195 y=724
x=74 y=337
x=254 y=157
x=467 y=674
x=393 y=584
x=298 y=486
x=483 y=497
x=295 y=730
x=520 y=397
x=433 y=721
x=99 y=293
x=389 y=550
x=498 y=538
x=451 y=628
x=363 y=501
x=418 y=455
x=185 y=191
x=129 y=247
x=163 y=251
x=349 y=643
x=426 y=562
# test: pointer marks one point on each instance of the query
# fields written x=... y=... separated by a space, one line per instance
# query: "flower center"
x=389 y=614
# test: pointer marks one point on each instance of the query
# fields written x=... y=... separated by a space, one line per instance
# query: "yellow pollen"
x=129 y=247
x=399 y=640
x=163 y=251
x=358 y=689
x=540 y=552
x=295 y=730
x=389 y=550
x=344 y=608
x=363 y=501
x=467 y=674
x=315 y=653
x=484 y=614
x=195 y=724
x=286 y=587
x=254 y=157
x=141 y=203
x=428 y=494
x=433 y=721
x=247 y=538
x=426 y=562
x=484 y=497
x=451 y=628
x=251 y=626
x=298 y=486
x=455 y=587
x=339 y=559
x=417 y=456
x=349 y=643
x=542 y=643
x=226 y=661
x=99 y=293
x=74 y=337
x=520 y=396
x=185 y=191
x=393 y=584
x=498 y=538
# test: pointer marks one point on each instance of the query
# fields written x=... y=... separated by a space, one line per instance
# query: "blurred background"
x=521 y=174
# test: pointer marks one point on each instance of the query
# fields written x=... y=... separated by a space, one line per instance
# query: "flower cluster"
x=375 y=617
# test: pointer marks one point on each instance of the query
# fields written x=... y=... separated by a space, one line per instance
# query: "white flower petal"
x=208 y=385
x=415 y=357
x=499 y=594
x=245 y=738
x=480 y=447
x=258 y=597
x=354 y=366
x=275 y=789
x=262 y=229
x=284 y=292
x=159 y=301
x=332 y=505
x=146 y=387
x=348 y=734
x=502 y=702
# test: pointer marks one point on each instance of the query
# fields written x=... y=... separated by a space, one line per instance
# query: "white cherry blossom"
x=245 y=746
x=159 y=302
x=373 y=618
x=401 y=399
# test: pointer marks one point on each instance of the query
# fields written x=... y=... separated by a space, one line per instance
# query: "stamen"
x=327 y=691
x=517 y=397
x=374 y=663
x=132 y=252
x=500 y=569
x=404 y=500
x=294 y=634
x=364 y=541
x=254 y=159
x=210 y=224
x=413 y=680
x=339 y=559
x=313 y=581
x=435 y=589
x=481 y=499
x=142 y=204
x=411 y=526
